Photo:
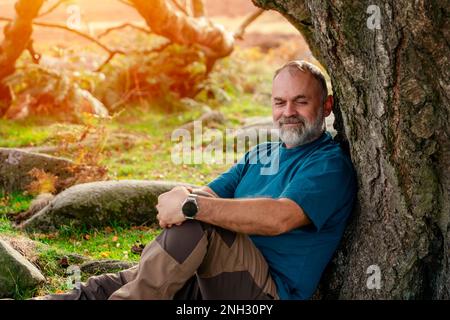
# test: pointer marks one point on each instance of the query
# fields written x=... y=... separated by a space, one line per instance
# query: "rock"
x=105 y=266
x=212 y=116
x=114 y=140
x=30 y=250
x=15 y=165
x=258 y=123
x=74 y=258
x=40 y=202
x=206 y=119
x=88 y=103
x=193 y=104
x=16 y=273
x=25 y=246
x=97 y=204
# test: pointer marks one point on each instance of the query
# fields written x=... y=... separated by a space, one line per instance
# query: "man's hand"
x=169 y=207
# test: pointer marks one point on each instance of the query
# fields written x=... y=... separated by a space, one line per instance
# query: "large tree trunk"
x=391 y=87
x=17 y=37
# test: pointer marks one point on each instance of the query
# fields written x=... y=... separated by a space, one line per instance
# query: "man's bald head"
x=304 y=66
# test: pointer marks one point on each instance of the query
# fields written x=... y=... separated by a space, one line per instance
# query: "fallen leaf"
x=64 y=262
x=86 y=237
x=137 y=248
x=115 y=238
x=52 y=235
x=108 y=230
x=105 y=254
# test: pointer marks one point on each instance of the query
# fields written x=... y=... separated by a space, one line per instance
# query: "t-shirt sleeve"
x=321 y=188
x=225 y=184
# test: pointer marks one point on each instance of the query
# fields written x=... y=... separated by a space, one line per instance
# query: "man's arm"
x=205 y=190
x=263 y=216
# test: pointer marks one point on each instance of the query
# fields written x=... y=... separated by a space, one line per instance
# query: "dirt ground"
x=268 y=31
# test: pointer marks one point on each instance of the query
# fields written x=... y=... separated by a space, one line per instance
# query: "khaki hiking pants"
x=192 y=261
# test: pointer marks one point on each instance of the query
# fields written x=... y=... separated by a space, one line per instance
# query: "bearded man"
x=249 y=235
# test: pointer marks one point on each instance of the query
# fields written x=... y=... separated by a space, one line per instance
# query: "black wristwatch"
x=190 y=206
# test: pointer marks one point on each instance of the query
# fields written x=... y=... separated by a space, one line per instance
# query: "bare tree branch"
x=111 y=52
x=180 y=7
x=79 y=33
x=141 y=52
x=124 y=25
x=239 y=34
x=127 y=3
x=162 y=20
x=52 y=8
x=110 y=57
x=198 y=8
x=36 y=57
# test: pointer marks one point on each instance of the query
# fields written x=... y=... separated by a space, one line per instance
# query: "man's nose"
x=290 y=110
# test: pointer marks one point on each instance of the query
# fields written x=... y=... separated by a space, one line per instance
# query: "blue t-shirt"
x=320 y=178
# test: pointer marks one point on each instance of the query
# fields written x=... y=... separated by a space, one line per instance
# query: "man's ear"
x=328 y=106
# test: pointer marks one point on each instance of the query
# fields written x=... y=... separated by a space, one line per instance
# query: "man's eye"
x=279 y=103
x=301 y=102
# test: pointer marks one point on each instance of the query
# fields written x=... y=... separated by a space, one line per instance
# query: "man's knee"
x=179 y=241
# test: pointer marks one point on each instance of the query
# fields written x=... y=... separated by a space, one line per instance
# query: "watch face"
x=189 y=209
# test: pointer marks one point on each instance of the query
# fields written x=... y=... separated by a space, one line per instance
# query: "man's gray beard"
x=302 y=134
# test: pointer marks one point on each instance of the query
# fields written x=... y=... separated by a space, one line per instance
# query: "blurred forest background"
x=101 y=85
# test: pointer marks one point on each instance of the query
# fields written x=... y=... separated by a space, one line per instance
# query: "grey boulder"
x=98 y=204
x=105 y=266
x=16 y=272
x=16 y=164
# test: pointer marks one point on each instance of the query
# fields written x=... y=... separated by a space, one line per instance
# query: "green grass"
x=5 y=226
x=245 y=107
x=109 y=243
x=21 y=134
x=9 y=205
x=14 y=202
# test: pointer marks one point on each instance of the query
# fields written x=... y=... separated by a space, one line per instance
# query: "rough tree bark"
x=17 y=37
x=391 y=87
